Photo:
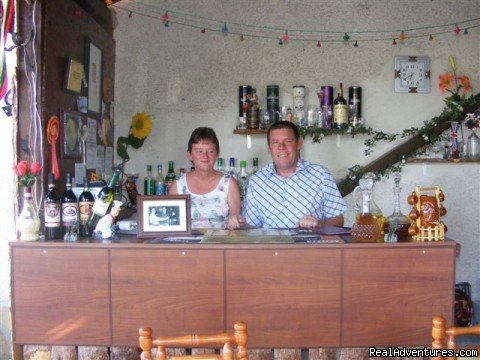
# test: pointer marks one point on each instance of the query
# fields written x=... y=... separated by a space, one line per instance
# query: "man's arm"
x=310 y=221
x=335 y=221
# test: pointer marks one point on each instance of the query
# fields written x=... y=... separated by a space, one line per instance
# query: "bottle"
x=354 y=106
x=299 y=104
x=85 y=205
x=160 y=182
x=181 y=172
x=231 y=169
x=273 y=104
x=52 y=210
x=103 y=201
x=170 y=175
x=365 y=228
x=219 y=166
x=69 y=206
x=149 y=182
x=243 y=179
x=367 y=179
x=254 y=165
x=340 y=110
x=397 y=223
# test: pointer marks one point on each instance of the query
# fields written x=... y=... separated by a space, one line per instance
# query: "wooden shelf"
x=250 y=131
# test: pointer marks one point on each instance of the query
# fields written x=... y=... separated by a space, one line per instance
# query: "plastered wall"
x=187 y=79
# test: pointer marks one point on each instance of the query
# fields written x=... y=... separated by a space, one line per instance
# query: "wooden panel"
x=288 y=298
x=173 y=291
x=60 y=296
x=391 y=295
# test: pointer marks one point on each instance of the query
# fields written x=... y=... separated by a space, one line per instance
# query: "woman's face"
x=203 y=155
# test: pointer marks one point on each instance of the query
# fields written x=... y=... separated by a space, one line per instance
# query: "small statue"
x=71 y=234
x=104 y=229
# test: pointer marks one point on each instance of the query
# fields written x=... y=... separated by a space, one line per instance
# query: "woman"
x=215 y=196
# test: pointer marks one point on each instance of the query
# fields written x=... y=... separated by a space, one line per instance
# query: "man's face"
x=285 y=150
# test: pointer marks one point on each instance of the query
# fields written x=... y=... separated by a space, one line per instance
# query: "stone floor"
x=32 y=352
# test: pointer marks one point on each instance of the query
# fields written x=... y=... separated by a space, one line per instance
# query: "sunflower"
x=140 y=128
x=141 y=125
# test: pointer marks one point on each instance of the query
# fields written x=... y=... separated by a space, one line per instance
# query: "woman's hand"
x=235 y=221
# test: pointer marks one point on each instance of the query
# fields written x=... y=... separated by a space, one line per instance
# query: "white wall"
x=187 y=79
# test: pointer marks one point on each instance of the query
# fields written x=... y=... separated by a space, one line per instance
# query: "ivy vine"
x=457 y=108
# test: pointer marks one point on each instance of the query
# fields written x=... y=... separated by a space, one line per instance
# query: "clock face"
x=412 y=74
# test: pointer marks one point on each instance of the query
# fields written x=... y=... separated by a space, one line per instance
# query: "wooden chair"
x=238 y=339
x=445 y=337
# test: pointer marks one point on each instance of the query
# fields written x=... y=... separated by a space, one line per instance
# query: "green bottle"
x=149 y=182
x=103 y=201
x=170 y=175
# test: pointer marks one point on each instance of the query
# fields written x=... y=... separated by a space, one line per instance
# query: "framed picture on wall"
x=94 y=57
x=163 y=215
x=73 y=76
x=71 y=127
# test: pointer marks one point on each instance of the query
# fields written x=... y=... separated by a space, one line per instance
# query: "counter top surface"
x=320 y=241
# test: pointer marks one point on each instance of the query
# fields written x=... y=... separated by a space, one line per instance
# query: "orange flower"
x=445 y=82
x=464 y=82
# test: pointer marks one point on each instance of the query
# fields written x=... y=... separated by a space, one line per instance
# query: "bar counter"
x=300 y=295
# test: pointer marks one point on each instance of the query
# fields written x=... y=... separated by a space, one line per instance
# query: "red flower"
x=446 y=82
x=35 y=168
x=21 y=168
x=27 y=172
x=464 y=82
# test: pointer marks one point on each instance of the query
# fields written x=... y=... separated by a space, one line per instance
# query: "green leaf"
x=135 y=142
x=122 y=150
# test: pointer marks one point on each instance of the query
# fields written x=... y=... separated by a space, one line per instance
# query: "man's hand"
x=308 y=221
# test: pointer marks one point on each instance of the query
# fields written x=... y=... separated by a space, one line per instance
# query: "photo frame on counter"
x=94 y=70
x=163 y=215
x=74 y=75
x=71 y=127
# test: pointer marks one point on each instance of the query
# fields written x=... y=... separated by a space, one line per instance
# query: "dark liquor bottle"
x=69 y=207
x=85 y=206
x=103 y=201
x=340 y=110
x=52 y=209
x=170 y=175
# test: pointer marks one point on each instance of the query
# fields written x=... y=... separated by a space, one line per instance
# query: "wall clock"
x=412 y=74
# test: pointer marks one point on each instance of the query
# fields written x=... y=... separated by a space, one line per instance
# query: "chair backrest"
x=445 y=337
x=228 y=341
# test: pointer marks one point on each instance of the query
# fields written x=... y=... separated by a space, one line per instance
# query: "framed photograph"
x=74 y=76
x=94 y=57
x=70 y=130
x=163 y=215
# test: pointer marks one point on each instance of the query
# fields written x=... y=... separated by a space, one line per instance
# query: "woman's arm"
x=233 y=198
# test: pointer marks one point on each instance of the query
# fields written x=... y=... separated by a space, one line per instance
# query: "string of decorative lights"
x=206 y=24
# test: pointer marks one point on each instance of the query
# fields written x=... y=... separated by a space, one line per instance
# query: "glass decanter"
x=367 y=179
x=397 y=223
x=366 y=227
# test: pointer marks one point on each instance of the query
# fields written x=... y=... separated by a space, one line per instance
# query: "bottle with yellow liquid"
x=366 y=186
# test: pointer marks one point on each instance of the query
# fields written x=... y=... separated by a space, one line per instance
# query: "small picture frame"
x=163 y=215
x=71 y=127
x=74 y=76
x=93 y=60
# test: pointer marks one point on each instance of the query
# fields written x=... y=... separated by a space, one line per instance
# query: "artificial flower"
x=27 y=172
x=446 y=82
x=472 y=121
x=464 y=83
x=140 y=128
x=141 y=125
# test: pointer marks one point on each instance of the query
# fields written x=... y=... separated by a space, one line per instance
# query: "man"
x=290 y=192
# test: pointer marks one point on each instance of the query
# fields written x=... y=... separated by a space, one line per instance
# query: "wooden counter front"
x=290 y=295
